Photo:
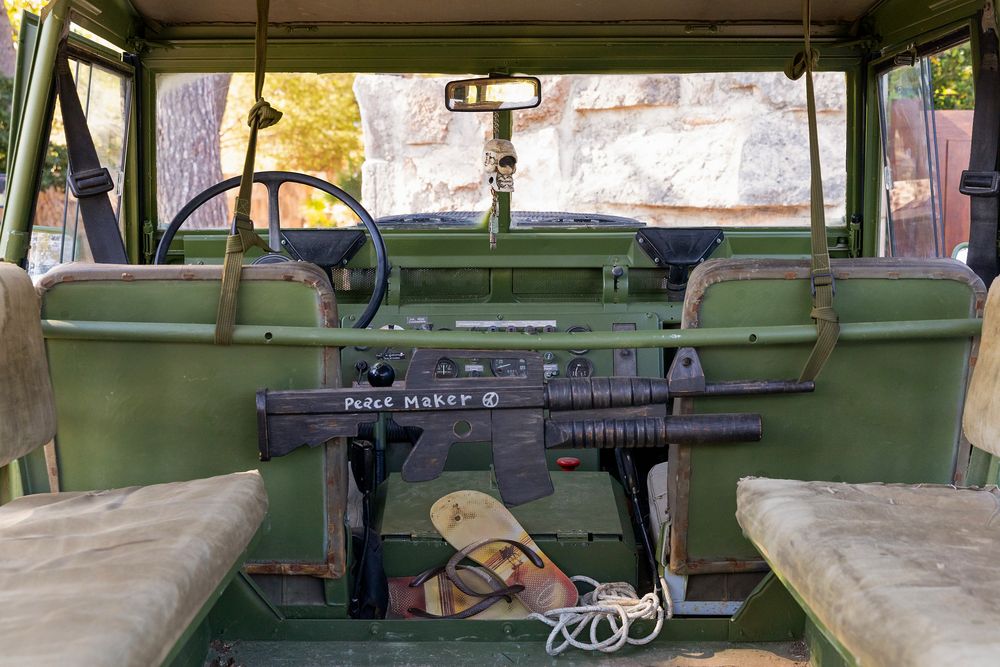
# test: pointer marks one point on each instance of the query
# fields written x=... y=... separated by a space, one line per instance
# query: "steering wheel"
x=273 y=180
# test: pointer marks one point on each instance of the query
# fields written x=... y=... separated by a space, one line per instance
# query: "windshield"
x=726 y=149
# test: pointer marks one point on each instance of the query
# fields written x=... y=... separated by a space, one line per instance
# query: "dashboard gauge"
x=581 y=367
x=578 y=329
x=509 y=367
x=445 y=369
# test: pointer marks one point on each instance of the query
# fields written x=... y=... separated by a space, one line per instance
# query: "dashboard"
x=511 y=318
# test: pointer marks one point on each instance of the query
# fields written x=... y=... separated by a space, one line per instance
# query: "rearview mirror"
x=493 y=94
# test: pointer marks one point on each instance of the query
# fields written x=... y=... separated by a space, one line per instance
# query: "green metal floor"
x=440 y=654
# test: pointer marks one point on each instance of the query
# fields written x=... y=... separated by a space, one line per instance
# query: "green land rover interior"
x=533 y=332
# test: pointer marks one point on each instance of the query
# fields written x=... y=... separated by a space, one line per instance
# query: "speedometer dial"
x=509 y=367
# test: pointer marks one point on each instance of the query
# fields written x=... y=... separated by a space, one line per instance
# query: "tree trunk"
x=188 y=151
x=8 y=56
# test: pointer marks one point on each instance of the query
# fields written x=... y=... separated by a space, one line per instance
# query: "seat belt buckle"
x=90 y=182
x=980 y=183
x=826 y=279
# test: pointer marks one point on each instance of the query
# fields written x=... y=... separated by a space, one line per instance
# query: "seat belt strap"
x=89 y=182
x=822 y=287
x=242 y=236
x=982 y=180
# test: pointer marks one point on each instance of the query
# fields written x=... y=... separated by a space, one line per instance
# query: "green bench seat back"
x=883 y=410
x=148 y=412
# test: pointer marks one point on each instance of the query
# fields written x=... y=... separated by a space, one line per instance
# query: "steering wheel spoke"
x=273 y=180
x=273 y=215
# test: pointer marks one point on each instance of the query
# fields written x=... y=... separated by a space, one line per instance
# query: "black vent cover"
x=328 y=248
x=679 y=249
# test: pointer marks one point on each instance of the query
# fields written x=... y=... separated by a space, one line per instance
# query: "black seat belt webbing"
x=88 y=180
x=981 y=181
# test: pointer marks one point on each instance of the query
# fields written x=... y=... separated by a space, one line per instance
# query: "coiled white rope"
x=617 y=603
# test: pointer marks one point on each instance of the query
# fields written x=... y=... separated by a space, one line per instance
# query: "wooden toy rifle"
x=509 y=412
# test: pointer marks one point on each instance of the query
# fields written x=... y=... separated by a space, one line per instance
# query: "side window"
x=105 y=90
x=926 y=113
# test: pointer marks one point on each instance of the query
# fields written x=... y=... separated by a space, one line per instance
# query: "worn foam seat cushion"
x=898 y=575
x=115 y=577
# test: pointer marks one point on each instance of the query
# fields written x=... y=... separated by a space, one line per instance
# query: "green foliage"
x=951 y=77
x=319 y=133
x=56 y=158
x=14 y=9
x=54 y=169
x=321 y=130
x=951 y=72
x=6 y=103
x=323 y=210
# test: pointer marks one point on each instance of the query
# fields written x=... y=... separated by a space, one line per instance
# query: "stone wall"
x=674 y=149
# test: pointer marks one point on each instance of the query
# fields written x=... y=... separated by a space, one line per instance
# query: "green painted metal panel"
x=241 y=615
x=489 y=654
x=22 y=169
x=524 y=248
x=885 y=411
x=141 y=413
x=457 y=53
x=770 y=613
x=822 y=651
x=900 y=26
x=27 y=43
x=583 y=527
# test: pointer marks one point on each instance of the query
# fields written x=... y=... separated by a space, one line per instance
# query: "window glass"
x=927 y=111
x=57 y=233
x=320 y=134
x=666 y=149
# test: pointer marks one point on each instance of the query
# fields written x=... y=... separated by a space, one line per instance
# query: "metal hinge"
x=148 y=240
x=854 y=236
x=572 y=536
x=664 y=546
x=907 y=58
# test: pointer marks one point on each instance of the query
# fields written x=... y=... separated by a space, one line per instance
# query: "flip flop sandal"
x=479 y=526
x=433 y=595
x=501 y=587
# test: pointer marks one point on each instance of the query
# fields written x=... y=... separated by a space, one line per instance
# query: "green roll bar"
x=163 y=332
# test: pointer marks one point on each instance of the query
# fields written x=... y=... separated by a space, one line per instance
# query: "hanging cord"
x=668 y=602
x=821 y=274
x=242 y=235
x=617 y=603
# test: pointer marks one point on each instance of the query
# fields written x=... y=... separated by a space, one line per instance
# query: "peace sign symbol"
x=491 y=399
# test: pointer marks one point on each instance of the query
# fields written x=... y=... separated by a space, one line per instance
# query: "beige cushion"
x=981 y=420
x=27 y=409
x=115 y=577
x=900 y=575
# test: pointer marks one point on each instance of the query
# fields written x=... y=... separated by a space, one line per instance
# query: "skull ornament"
x=500 y=163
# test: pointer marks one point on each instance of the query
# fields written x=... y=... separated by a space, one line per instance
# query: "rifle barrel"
x=654 y=431
x=752 y=387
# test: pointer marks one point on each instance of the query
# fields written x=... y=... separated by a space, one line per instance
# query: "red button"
x=568 y=462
